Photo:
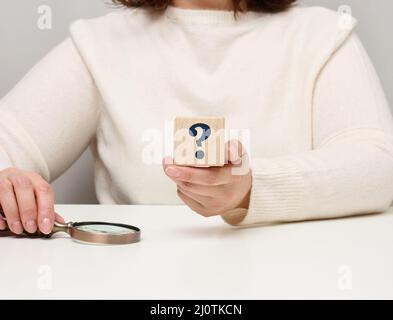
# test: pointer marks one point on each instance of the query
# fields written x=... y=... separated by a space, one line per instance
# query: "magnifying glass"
x=91 y=232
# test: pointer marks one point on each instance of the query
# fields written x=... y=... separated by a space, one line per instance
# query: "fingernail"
x=46 y=226
x=16 y=227
x=235 y=155
x=2 y=225
x=31 y=226
x=173 y=172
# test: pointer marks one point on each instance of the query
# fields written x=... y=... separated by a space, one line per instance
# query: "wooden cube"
x=199 y=142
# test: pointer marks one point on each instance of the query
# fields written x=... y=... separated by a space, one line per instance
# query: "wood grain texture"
x=190 y=150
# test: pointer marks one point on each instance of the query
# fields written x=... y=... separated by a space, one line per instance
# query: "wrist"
x=245 y=203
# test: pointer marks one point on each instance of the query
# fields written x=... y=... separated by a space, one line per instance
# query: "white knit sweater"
x=300 y=81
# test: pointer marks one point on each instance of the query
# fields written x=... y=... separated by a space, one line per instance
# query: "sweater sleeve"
x=349 y=170
x=49 y=118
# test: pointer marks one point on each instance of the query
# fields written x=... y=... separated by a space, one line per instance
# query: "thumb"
x=59 y=218
x=235 y=152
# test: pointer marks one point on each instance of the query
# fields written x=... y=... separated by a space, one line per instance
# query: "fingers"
x=213 y=176
x=27 y=201
x=3 y=224
x=45 y=203
x=219 y=200
x=25 y=197
x=59 y=218
x=214 y=190
x=204 y=176
x=192 y=204
x=234 y=151
x=238 y=158
x=9 y=206
x=201 y=190
x=197 y=197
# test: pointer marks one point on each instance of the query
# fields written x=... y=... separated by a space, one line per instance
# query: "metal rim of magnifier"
x=106 y=238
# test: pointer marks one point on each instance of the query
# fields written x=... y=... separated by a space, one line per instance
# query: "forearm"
x=349 y=169
x=334 y=181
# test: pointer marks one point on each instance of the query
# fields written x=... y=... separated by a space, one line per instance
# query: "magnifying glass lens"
x=104 y=233
x=105 y=229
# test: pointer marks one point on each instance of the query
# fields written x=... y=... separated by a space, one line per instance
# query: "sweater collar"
x=210 y=17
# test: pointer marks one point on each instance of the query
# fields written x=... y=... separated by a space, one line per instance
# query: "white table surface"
x=185 y=256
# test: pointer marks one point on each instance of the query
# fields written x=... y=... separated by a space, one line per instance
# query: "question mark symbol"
x=205 y=135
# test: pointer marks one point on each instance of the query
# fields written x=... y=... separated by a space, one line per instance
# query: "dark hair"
x=271 y=6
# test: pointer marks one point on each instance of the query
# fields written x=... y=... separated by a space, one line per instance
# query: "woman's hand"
x=214 y=190
x=27 y=201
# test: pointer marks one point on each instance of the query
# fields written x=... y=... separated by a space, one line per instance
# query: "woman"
x=297 y=78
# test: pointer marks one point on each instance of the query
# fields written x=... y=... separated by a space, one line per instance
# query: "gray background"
x=23 y=44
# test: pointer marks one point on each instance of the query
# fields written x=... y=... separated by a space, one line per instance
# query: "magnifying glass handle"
x=61 y=227
x=57 y=227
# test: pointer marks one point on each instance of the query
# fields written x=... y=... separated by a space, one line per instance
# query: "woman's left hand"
x=214 y=190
